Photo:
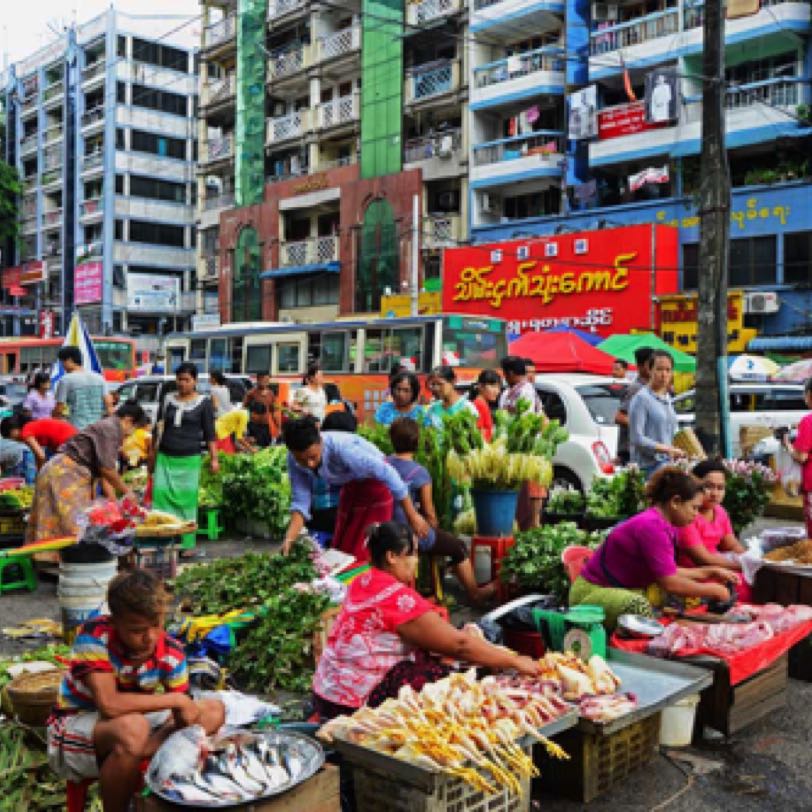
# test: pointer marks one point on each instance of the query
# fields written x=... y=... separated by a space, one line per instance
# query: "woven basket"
x=34 y=695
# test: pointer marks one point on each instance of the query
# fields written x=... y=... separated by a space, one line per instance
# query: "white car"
x=771 y=405
x=585 y=405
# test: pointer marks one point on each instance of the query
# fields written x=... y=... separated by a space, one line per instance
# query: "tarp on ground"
x=562 y=352
x=623 y=346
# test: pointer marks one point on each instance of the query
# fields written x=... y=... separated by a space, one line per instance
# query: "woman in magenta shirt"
x=801 y=451
x=640 y=553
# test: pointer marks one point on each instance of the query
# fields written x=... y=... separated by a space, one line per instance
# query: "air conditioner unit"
x=491 y=203
x=761 y=302
x=604 y=12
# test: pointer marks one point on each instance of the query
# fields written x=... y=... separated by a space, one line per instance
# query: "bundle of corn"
x=687 y=440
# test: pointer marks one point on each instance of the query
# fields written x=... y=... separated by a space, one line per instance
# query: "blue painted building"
x=631 y=170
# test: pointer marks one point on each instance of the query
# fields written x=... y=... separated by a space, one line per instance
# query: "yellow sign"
x=401 y=304
x=739 y=219
x=678 y=323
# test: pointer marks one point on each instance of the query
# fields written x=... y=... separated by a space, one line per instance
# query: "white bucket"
x=82 y=591
x=677 y=722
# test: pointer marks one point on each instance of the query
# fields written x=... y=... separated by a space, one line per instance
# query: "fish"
x=253 y=766
x=179 y=755
x=180 y=789
x=292 y=763
x=238 y=773
x=214 y=779
x=271 y=760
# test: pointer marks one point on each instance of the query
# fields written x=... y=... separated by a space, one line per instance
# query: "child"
x=709 y=540
x=405 y=434
x=258 y=434
x=109 y=715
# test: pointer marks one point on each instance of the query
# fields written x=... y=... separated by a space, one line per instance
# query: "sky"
x=23 y=33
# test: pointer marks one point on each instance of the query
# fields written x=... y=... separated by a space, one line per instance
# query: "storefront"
x=603 y=281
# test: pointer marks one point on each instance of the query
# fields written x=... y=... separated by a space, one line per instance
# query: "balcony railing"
x=777 y=92
x=218 y=202
x=52 y=218
x=219 y=32
x=338 y=111
x=93 y=70
x=443 y=229
x=28 y=144
x=340 y=43
x=693 y=13
x=310 y=252
x=210 y=267
x=347 y=160
x=93 y=159
x=52 y=159
x=54 y=90
x=219 y=149
x=613 y=37
x=549 y=58
x=289 y=167
x=51 y=177
x=277 y=8
x=53 y=134
x=428 y=10
x=218 y=90
x=545 y=144
x=286 y=62
x=93 y=206
x=439 y=145
x=427 y=81
x=290 y=126
x=92 y=116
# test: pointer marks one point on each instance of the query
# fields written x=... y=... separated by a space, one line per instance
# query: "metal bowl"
x=640 y=627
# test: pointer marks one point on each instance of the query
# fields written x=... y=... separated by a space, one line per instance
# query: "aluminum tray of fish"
x=235 y=767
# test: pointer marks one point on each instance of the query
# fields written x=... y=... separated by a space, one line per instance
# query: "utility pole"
x=414 y=274
x=712 y=409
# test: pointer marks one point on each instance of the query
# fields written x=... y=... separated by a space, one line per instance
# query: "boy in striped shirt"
x=124 y=693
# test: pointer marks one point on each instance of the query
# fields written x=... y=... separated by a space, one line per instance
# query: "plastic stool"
x=434 y=576
x=210 y=527
x=76 y=794
x=496 y=547
x=27 y=577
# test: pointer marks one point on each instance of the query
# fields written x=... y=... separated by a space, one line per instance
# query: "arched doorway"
x=246 y=299
x=378 y=256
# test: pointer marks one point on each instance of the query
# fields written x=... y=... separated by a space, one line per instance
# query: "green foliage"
x=277 y=651
x=621 y=496
x=566 y=501
x=747 y=492
x=211 y=486
x=526 y=432
x=10 y=191
x=534 y=561
x=244 y=582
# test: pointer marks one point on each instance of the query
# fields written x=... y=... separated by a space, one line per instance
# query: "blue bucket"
x=495 y=511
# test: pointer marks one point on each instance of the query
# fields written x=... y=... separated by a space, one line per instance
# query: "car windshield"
x=602 y=401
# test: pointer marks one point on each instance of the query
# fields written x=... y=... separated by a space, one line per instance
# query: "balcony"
x=343 y=110
x=220 y=32
x=208 y=269
x=427 y=11
x=281 y=8
x=219 y=149
x=293 y=59
x=29 y=225
x=217 y=202
x=315 y=251
x=502 y=19
x=53 y=134
x=92 y=118
x=519 y=157
x=519 y=76
x=53 y=92
x=91 y=209
x=52 y=159
x=51 y=180
x=283 y=128
x=693 y=13
x=94 y=71
x=52 y=219
x=635 y=32
x=218 y=91
x=93 y=161
x=442 y=230
x=439 y=155
x=28 y=144
x=341 y=43
x=429 y=81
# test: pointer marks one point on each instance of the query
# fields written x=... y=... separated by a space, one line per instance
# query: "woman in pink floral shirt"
x=386 y=632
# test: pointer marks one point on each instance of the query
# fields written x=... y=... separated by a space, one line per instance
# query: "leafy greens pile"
x=621 y=496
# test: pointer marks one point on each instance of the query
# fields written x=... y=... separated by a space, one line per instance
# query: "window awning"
x=298 y=270
x=781 y=344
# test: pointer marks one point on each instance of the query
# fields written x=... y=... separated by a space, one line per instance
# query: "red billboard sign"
x=601 y=281
x=87 y=283
x=625 y=119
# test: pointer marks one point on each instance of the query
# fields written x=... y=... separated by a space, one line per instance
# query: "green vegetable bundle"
x=534 y=561
x=240 y=583
x=210 y=493
x=621 y=496
x=48 y=654
x=566 y=501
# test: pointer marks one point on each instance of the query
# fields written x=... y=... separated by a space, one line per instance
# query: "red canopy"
x=562 y=352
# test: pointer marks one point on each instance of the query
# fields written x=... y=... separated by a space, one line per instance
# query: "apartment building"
x=320 y=123
x=101 y=125
x=633 y=130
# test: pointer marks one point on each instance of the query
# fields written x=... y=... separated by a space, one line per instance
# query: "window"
x=120 y=143
x=161 y=55
x=119 y=230
x=161 y=100
x=155 y=189
x=602 y=400
x=798 y=258
x=121 y=46
x=333 y=351
x=219 y=357
x=783 y=400
x=158 y=233
x=118 y=276
x=121 y=93
x=258 y=358
x=753 y=261
x=387 y=347
x=307 y=291
x=690 y=266
x=158 y=145
x=287 y=357
x=197 y=353
x=119 y=184
x=554 y=407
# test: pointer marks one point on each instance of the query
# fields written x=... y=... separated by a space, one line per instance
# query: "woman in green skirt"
x=185 y=423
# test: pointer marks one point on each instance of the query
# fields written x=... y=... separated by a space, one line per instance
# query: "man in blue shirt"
x=368 y=482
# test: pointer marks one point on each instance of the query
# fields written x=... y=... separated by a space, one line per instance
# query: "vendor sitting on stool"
x=637 y=562
x=709 y=539
x=368 y=484
x=386 y=632
x=109 y=715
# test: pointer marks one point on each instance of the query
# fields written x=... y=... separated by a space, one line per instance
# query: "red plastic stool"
x=495 y=547
x=76 y=791
x=573 y=558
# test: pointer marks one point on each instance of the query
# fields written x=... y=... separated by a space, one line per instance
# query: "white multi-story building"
x=101 y=127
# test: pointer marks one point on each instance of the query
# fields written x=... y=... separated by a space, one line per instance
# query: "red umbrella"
x=562 y=352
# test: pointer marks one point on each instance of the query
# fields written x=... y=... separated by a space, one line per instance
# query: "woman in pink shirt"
x=640 y=553
x=801 y=451
x=709 y=540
